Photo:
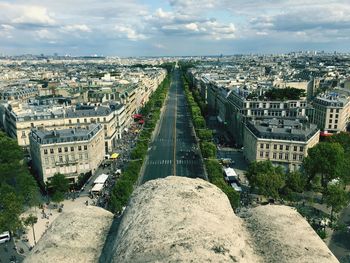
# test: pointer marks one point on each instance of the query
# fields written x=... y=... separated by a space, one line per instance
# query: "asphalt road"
x=173 y=150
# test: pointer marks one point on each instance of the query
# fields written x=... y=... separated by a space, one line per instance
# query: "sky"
x=172 y=27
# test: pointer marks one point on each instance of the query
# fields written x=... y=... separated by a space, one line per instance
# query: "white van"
x=5 y=237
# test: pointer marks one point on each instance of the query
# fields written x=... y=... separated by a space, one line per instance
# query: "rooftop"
x=65 y=135
x=282 y=129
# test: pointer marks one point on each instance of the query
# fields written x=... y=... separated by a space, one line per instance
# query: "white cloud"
x=192 y=26
x=128 y=32
x=76 y=27
x=45 y=34
x=33 y=15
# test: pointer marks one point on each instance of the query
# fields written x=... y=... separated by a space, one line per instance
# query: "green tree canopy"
x=208 y=149
x=17 y=187
x=59 y=185
x=336 y=197
x=327 y=160
x=267 y=178
x=295 y=181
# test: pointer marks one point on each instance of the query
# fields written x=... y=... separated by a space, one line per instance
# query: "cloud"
x=76 y=27
x=128 y=32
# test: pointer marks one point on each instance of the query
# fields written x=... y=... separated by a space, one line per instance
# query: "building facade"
x=283 y=142
x=19 y=121
x=332 y=111
x=71 y=152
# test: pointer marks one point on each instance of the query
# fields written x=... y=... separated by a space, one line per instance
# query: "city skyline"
x=172 y=28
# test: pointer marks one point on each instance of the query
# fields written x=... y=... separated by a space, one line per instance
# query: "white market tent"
x=97 y=188
x=230 y=172
x=101 y=179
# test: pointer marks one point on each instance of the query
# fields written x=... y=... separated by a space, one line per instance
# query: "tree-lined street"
x=173 y=150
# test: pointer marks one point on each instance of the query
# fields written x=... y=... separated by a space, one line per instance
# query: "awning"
x=114 y=155
x=97 y=188
x=101 y=179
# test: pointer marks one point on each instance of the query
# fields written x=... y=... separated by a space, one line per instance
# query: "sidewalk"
x=43 y=223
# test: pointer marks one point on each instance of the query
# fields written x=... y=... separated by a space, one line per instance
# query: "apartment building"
x=71 y=152
x=20 y=119
x=241 y=106
x=332 y=111
x=282 y=141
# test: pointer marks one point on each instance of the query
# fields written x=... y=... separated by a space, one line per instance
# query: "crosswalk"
x=167 y=162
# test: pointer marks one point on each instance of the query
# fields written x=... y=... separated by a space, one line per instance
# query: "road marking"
x=174 y=158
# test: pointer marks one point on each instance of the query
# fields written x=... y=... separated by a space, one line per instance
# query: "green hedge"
x=123 y=188
x=214 y=169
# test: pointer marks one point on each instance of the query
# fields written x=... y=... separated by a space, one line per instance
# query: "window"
x=287 y=147
x=286 y=156
x=274 y=155
x=72 y=149
x=267 y=155
x=46 y=160
x=335 y=126
x=53 y=160
x=45 y=151
x=261 y=146
x=51 y=151
x=60 y=158
x=300 y=157
x=80 y=156
x=67 y=158
x=79 y=148
x=330 y=121
x=329 y=126
x=335 y=121
x=295 y=148
x=337 y=111
x=261 y=154
x=281 y=147
x=301 y=148
x=267 y=146
x=78 y=120
x=98 y=119
x=294 y=157
x=280 y=156
x=59 y=150
x=65 y=149
x=70 y=121
x=336 y=115
x=85 y=120
x=331 y=116
x=104 y=119
x=331 y=110
x=85 y=147
x=275 y=146
x=86 y=156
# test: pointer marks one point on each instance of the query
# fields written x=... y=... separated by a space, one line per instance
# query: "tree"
x=208 y=149
x=17 y=187
x=268 y=179
x=327 y=160
x=31 y=220
x=295 y=181
x=59 y=185
x=336 y=197
x=10 y=209
x=204 y=134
